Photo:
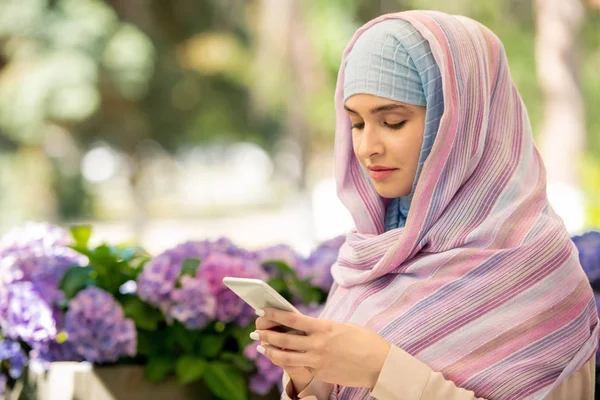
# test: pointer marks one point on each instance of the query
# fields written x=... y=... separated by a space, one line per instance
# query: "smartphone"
x=258 y=294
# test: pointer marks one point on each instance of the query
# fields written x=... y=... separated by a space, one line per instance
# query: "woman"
x=459 y=281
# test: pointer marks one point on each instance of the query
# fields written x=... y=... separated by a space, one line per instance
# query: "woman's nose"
x=370 y=143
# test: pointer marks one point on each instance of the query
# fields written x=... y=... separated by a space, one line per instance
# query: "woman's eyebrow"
x=385 y=107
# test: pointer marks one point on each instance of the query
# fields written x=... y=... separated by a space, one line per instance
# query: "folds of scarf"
x=483 y=283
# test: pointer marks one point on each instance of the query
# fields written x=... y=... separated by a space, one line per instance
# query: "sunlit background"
x=161 y=121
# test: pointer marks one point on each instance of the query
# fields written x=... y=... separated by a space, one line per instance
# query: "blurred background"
x=161 y=121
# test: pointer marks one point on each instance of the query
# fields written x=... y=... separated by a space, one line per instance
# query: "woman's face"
x=387 y=137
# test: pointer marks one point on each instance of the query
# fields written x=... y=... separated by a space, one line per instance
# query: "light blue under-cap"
x=393 y=60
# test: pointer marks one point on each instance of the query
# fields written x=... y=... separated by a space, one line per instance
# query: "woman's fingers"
x=285 y=358
x=263 y=323
x=293 y=320
x=286 y=341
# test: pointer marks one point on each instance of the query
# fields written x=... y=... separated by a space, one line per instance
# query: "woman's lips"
x=381 y=174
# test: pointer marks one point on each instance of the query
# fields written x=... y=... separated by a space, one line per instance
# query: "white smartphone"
x=258 y=294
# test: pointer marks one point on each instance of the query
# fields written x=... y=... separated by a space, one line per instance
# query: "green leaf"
x=307 y=292
x=190 y=368
x=239 y=361
x=76 y=279
x=225 y=381
x=281 y=266
x=179 y=338
x=151 y=343
x=144 y=316
x=159 y=367
x=211 y=345
x=81 y=234
x=242 y=335
x=190 y=266
x=278 y=284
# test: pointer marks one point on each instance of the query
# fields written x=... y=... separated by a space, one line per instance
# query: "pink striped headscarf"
x=483 y=283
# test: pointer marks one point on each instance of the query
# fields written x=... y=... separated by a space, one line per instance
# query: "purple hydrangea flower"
x=17 y=360
x=318 y=264
x=37 y=253
x=27 y=313
x=156 y=282
x=97 y=328
x=280 y=252
x=217 y=266
x=35 y=233
x=588 y=245
x=44 y=353
x=193 y=304
x=188 y=300
x=268 y=374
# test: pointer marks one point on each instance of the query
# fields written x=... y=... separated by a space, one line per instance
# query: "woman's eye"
x=358 y=125
x=395 y=126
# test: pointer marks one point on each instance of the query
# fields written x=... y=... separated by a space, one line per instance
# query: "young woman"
x=459 y=281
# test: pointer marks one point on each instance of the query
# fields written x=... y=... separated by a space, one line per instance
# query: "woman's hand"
x=340 y=353
x=300 y=376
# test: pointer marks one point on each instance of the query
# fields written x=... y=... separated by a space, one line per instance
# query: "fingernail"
x=260 y=313
x=261 y=350
x=254 y=336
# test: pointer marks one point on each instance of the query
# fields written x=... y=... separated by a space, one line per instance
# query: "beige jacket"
x=404 y=377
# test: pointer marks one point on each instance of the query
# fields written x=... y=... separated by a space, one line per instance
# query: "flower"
x=217 y=266
x=196 y=298
x=280 y=252
x=35 y=233
x=97 y=328
x=27 y=312
x=268 y=374
x=193 y=304
x=588 y=245
x=17 y=360
x=44 y=353
x=318 y=264
x=37 y=253
x=156 y=282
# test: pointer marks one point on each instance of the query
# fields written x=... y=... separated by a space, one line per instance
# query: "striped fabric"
x=483 y=283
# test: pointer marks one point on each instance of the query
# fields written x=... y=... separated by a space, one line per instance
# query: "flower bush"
x=62 y=300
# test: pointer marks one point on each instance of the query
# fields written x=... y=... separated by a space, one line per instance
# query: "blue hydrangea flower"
x=27 y=313
x=45 y=353
x=588 y=245
x=17 y=360
x=268 y=374
x=97 y=328
x=317 y=268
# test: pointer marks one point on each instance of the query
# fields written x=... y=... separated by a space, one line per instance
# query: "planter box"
x=82 y=381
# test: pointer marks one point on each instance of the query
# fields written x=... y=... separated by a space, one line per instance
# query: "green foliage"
x=145 y=316
x=160 y=366
x=225 y=381
x=190 y=368
x=190 y=266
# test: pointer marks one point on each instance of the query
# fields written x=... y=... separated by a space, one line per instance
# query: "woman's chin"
x=389 y=191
